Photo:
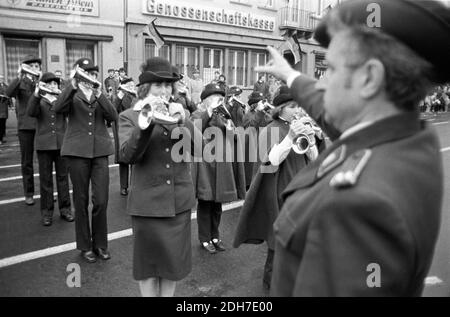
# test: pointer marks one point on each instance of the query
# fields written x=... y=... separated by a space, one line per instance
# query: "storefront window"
x=237 y=69
x=321 y=66
x=213 y=62
x=187 y=59
x=152 y=51
x=76 y=50
x=258 y=59
x=16 y=50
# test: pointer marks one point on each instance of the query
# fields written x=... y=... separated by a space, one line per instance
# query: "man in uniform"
x=22 y=88
x=363 y=220
x=5 y=102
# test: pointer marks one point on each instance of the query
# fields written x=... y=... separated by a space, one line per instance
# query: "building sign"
x=80 y=7
x=184 y=10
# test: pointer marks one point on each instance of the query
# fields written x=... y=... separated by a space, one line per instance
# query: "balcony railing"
x=298 y=19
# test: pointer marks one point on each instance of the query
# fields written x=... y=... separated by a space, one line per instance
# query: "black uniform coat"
x=87 y=135
x=121 y=105
x=263 y=202
x=22 y=89
x=327 y=235
x=50 y=125
x=219 y=181
x=160 y=186
x=5 y=102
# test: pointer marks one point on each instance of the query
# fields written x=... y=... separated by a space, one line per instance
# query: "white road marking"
x=72 y=246
x=14 y=178
x=433 y=281
x=440 y=123
x=18 y=200
x=445 y=150
x=9 y=166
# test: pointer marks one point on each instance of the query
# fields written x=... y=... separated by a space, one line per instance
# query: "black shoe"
x=219 y=246
x=47 y=221
x=124 y=192
x=68 y=217
x=208 y=246
x=102 y=254
x=89 y=256
x=29 y=201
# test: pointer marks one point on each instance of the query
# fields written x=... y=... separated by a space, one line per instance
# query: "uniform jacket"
x=51 y=126
x=121 y=105
x=22 y=89
x=263 y=202
x=330 y=231
x=221 y=181
x=87 y=135
x=5 y=102
x=160 y=186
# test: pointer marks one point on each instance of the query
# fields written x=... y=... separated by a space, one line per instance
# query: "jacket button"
x=90 y=133
x=167 y=150
x=166 y=134
x=168 y=166
x=169 y=182
x=53 y=132
x=90 y=114
x=90 y=123
x=53 y=117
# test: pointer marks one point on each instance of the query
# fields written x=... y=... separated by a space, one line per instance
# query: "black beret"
x=283 y=96
x=49 y=77
x=31 y=59
x=212 y=89
x=255 y=97
x=422 y=25
x=86 y=64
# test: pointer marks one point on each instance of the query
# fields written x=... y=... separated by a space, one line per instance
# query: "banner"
x=80 y=7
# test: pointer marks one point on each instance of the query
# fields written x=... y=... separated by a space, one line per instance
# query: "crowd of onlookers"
x=437 y=101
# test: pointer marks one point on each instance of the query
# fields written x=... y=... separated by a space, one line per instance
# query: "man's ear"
x=372 y=78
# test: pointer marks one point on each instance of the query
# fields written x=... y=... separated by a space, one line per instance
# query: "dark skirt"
x=162 y=247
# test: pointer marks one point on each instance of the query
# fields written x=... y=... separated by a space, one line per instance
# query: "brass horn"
x=243 y=105
x=220 y=109
x=44 y=90
x=304 y=142
x=128 y=90
x=27 y=70
x=82 y=76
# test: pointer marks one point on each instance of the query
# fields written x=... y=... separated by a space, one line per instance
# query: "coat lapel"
x=388 y=130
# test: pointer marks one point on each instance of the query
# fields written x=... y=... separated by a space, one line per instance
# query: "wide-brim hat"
x=49 y=77
x=212 y=89
x=158 y=69
x=31 y=59
x=255 y=97
x=87 y=65
x=283 y=96
x=422 y=25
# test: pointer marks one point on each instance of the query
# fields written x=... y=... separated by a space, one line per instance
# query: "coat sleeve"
x=13 y=88
x=109 y=111
x=65 y=100
x=349 y=240
x=132 y=140
x=309 y=98
x=34 y=106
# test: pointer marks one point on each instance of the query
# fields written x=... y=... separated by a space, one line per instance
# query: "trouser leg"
x=45 y=159
x=204 y=212
x=26 y=140
x=100 y=192
x=62 y=183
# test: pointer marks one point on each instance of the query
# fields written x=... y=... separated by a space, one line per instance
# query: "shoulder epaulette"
x=351 y=169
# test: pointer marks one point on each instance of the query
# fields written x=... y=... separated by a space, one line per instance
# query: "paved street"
x=34 y=259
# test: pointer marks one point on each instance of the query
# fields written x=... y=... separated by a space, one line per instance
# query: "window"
x=76 y=50
x=152 y=51
x=187 y=59
x=321 y=66
x=16 y=50
x=212 y=62
x=237 y=69
x=258 y=59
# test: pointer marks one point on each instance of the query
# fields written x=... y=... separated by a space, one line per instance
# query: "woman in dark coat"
x=263 y=202
x=161 y=194
x=51 y=128
x=220 y=178
x=126 y=97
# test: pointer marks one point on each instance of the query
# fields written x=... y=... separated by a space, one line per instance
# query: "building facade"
x=60 y=32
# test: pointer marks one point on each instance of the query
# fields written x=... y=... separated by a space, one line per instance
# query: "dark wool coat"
x=263 y=202
x=224 y=181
